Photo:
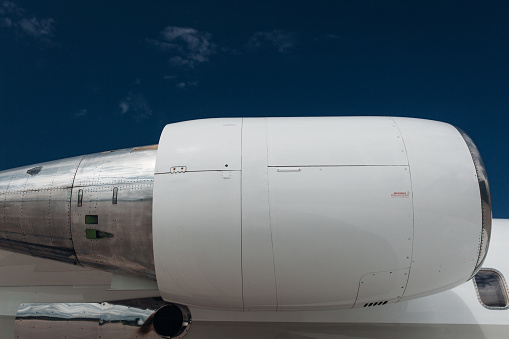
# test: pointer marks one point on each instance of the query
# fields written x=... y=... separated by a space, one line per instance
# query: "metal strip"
x=484 y=191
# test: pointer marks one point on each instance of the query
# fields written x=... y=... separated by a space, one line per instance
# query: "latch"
x=178 y=169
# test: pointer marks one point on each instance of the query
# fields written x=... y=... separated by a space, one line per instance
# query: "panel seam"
x=413 y=209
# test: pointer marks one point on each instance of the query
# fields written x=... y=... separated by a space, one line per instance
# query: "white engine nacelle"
x=316 y=213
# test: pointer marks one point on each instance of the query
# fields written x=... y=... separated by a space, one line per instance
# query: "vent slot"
x=115 y=195
x=80 y=198
x=377 y=303
x=96 y=234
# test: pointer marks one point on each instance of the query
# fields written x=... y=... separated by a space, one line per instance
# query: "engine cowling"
x=266 y=213
x=316 y=213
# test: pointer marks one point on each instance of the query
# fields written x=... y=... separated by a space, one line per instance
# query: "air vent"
x=378 y=303
x=34 y=170
x=96 y=234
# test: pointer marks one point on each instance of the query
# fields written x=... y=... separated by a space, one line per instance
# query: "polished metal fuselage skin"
x=44 y=209
x=123 y=319
x=36 y=209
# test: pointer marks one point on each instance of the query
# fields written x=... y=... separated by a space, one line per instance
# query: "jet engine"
x=266 y=213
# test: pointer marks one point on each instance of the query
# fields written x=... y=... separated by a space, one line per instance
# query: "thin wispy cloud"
x=37 y=28
x=187 y=84
x=15 y=18
x=281 y=40
x=332 y=37
x=181 y=83
x=187 y=46
x=82 y=113
x=136 y=106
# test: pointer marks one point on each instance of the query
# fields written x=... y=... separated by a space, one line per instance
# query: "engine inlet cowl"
x=315 y=213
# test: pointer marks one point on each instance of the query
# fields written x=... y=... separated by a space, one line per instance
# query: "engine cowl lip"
x=485 y=195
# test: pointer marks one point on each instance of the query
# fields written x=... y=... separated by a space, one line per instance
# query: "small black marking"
x=34 y=170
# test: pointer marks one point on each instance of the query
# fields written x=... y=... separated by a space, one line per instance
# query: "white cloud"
x=187 y=84
x=189 y=46
x=136 y=105
x=281 y=40
x=37 y=28
x=81 y=113
x=11 y=7
x=124 y=106
x=14 y=17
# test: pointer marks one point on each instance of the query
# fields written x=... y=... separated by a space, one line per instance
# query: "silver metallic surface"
x=130 y=249
x=493 y=288
x=35 y=207
x=484 y=190
x=121 y=319
x=43 y=209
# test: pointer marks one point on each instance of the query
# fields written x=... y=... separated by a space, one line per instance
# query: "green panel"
x=91 y=234
x=91 y=219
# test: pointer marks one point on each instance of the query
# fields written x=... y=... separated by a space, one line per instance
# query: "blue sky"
x=79 y=77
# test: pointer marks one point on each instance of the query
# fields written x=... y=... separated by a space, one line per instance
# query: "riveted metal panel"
x=129 y=250
x=36 y=209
